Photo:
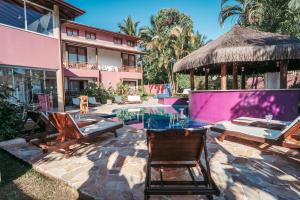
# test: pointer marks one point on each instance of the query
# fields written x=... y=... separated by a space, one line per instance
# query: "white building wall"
x=109 y=60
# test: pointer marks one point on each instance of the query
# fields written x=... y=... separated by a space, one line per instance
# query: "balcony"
x=93 y=66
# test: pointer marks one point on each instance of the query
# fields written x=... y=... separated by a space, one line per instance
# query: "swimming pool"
x=157 y=117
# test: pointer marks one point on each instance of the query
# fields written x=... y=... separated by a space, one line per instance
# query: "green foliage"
x=128 y=26
x=277 y=16
x=123 y=90
x=10 y=115
x=169 y=37
x=99 y=92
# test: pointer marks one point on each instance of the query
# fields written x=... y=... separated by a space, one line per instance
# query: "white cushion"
x=249 y=130
x=118 y=99
x=253 y=119
x=99 y=126
x=134 y=98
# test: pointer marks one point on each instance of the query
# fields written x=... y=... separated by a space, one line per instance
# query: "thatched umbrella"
x=241 y=45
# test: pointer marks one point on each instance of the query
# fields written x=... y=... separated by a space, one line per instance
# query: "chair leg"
x=115 y=133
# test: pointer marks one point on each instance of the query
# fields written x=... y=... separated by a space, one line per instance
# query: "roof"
x=242 y=44
x=67 y=10
x=103 y=30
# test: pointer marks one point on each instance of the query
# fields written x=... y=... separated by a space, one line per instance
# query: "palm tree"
x=128 y=26
x=243 y=11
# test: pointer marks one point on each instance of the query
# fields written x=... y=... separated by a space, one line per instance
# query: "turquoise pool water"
x=158 y=117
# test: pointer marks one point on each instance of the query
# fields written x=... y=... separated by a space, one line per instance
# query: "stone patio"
x=114 y=168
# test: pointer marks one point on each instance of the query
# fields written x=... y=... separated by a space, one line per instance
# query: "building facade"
x=97 y=55
x=43 y=53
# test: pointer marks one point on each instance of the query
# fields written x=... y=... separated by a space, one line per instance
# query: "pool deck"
x=114 y=168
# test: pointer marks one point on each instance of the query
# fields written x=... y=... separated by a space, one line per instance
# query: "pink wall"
x=154 y=88
x=81 y=73
x=110 y=79
x=214 y=106
x=23 y=48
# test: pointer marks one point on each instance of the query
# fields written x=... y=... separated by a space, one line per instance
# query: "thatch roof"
x=242 y=45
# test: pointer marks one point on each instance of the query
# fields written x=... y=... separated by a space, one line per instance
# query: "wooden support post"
x=192 y=78
x=235 y=75
x=206 y=78
x=243 y=79
x=67 y=57
x=283 y=74
x=223 y=76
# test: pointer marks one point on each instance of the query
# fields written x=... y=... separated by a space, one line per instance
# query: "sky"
x=107 y=14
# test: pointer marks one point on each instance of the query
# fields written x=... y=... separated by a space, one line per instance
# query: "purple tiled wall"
x=214 y=106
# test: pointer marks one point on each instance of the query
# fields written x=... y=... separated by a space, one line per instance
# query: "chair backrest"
x=176 y=144
x=291 y=129
x=41 y=119
x=75 y=101
x=118 y=99
x=84 y=104
x=65 y=125
x=92 y=100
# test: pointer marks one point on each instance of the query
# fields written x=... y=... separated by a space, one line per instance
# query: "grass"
x=20 y=181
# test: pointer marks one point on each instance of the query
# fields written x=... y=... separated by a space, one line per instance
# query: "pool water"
x=158 y=117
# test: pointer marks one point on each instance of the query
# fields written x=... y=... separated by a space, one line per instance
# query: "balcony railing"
x=92 y=66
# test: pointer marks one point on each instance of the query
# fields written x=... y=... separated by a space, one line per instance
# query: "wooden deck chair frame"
x=178 y=148
x=285 y=138
x=42 y=127
x=69 y=132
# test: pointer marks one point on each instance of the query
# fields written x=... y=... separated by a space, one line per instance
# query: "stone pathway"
x=114 y=168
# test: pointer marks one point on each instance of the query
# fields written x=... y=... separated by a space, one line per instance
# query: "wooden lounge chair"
x=93 y=102
x=71 y=132
x=289 y=136
x=41 y=128
x=260 y=122
x=178 y=148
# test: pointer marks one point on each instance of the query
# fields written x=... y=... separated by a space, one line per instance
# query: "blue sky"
x=107 y=14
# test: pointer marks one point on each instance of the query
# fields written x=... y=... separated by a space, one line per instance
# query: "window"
x=72 y=32
x=34 y=18
x=118 y=41
x=77 y=54
x=90 y=36
x=130 y=43
x=128 y=59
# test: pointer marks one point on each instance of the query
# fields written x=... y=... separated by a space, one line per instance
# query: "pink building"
x=43 y=54
x=30 y=53
x=96 y=55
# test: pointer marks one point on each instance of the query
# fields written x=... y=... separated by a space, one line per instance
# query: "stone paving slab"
x=114 y=168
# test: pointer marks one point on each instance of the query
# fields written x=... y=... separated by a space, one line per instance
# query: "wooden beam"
x=283 y=74
x=192 y=78
x=97 y=57
x=235 y=75
x=243 y=79
x=206 y=78
x=223 y=76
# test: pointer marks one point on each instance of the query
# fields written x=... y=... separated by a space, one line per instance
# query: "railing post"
x=283 y=74
x=235 y=75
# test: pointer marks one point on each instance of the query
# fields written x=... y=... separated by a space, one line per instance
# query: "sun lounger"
x=252 y=121
x=93 y=102
x=70 y=132
x=118 y=100
x=288 y=137
x=134 y=99
x=76 y=102
x=164 y=152
x=42 y=126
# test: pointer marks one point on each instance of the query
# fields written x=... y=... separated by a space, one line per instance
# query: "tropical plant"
x=10 y=114
x=99 y=92
x=122 y=90
x=278 y=16
x=129 y=26
x=169 y=37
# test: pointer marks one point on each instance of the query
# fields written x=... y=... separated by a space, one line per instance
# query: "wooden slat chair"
x=41 y=128
x=288 y=137
x=178 y=148
x=71 y=133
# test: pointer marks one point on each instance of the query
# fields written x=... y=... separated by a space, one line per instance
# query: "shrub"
x=99 y=92
x=10 y=115
x=123 y=90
